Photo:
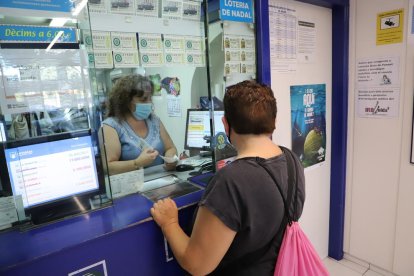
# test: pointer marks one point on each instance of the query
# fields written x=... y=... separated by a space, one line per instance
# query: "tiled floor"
x=347 y=268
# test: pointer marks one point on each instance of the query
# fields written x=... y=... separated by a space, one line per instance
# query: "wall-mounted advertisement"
x=308 y=115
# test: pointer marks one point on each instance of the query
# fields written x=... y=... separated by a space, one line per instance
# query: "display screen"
x=52 y=170
x=198 y=127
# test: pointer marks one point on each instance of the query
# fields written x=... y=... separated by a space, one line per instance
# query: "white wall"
x=315 y=218
x=379 y=221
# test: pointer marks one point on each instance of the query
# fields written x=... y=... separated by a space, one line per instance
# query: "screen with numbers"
x=53 y=170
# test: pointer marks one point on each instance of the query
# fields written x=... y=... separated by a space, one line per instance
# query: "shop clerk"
x=134 y=136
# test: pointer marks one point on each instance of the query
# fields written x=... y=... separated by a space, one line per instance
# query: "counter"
x=121 y=239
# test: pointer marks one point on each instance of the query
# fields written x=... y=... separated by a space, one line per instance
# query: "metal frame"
x=340 y=46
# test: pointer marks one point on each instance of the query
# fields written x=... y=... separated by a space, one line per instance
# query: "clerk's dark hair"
x=124 y=90
x=250 y=108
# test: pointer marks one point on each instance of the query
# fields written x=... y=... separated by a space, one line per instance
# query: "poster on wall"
x=390 y=27
x=378 y=92
x=283 y=37
x=308 y=119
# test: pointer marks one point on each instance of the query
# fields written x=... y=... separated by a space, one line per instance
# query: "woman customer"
x=239 y=224
x=134 y=136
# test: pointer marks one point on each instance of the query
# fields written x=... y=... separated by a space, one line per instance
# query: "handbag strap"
x=290 y=168
x=256 y=255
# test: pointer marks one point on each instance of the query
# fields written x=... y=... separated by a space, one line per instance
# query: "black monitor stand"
x=64 y=208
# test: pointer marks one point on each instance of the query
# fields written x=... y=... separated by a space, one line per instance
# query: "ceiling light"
x=59 y=34
x=79 y=7
x=58 y=22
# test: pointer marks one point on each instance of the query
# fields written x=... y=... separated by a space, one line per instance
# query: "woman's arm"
x=170 y=149
x=201 y=253
x=113 y=154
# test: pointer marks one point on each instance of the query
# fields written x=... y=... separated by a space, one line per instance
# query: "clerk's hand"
x=165 y=213
x=146 y=157
x=170 y=166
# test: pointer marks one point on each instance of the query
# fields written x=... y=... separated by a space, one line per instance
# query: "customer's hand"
x=146 y=157
x=165 y=213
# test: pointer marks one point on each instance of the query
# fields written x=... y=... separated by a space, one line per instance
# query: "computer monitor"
x=55 y=175
x=198 y=133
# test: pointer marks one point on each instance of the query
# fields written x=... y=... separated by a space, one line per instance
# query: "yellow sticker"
x=390 y=27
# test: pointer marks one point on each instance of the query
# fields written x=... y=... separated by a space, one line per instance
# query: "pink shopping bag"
x=297 y=257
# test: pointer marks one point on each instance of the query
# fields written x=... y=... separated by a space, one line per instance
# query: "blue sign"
x=21 y=33
x=241 y=11
x=50 y=5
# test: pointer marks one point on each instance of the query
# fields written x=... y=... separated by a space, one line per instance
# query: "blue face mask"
x=142 y=110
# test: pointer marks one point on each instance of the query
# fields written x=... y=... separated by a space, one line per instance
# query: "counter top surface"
x=22 y=246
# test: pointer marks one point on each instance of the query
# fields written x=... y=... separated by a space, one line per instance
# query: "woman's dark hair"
x=250 y=108
x=122 y=93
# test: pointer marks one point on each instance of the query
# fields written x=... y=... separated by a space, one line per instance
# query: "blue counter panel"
x=119 y=234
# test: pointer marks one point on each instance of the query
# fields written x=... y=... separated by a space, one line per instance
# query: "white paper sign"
x=174 y=106
x=8 y=213
x=306 y=41
x=126 y=183
x=373 y=72
x=378 y=102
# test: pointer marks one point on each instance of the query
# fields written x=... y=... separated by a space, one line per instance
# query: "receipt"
x=169 y=159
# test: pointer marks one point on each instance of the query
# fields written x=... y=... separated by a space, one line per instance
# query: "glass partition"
x=51 y=165
x=99 y=97
x=149 y=66
x=232 y=57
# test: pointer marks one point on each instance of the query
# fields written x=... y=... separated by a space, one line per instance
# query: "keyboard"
x=202 y=179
